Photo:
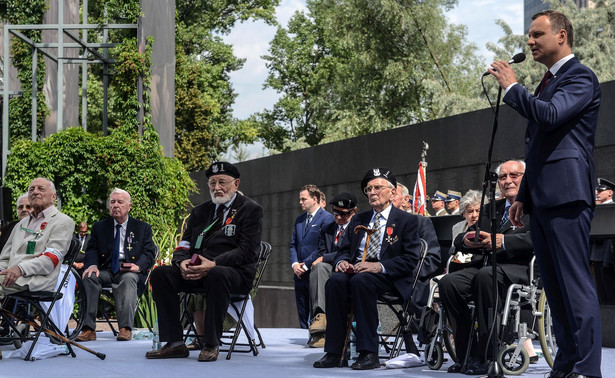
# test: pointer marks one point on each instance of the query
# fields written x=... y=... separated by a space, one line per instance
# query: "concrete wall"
x=456 y=158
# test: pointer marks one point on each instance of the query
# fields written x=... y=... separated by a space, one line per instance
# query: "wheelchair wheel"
x=434 y=357
x=77 y=318
x=545 y=330
x=511 y=365
x=449 y=344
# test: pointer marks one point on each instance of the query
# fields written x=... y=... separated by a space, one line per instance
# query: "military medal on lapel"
x=389 y=239
x=130 y=239
x=229 y=229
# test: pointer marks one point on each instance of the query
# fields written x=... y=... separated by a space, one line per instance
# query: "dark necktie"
x=115 y=261
x=374 y=241
x=504 y=217
x=307 y=225
x=545 y=81
x=219 y=218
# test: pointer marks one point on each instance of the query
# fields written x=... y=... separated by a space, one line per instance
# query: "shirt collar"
x=314 y=213
x=385 y=213
x=43 y=214
x=121 y=224
x=554 y=68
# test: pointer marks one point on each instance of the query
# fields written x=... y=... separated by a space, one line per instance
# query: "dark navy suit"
x=557 y=190
x=304 y=248
x=399 y=254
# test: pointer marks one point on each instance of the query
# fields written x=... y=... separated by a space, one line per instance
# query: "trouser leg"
x=125 y=296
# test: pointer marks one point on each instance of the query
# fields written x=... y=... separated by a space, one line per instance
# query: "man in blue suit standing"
x=304 y=246
x=557 y=188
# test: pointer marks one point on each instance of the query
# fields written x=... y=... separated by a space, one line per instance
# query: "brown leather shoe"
x=124 y=335
x=87 y=335
x=179 y=351
x=209 y=354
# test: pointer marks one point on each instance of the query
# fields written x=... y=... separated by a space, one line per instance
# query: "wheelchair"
x=514 y=360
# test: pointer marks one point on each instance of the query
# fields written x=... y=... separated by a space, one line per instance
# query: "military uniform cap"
x=604 y=184
x=452 y=195
x=344 y=201
x=222 y=168
x=375 y=173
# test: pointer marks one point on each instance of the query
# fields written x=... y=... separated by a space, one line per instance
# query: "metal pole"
x=105 y=79
x=141 y=113
x=5 y=101
x=34 y=92
x=84 y=73
x=60 y=72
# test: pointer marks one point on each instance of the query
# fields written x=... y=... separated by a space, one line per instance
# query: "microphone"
x=518 y=58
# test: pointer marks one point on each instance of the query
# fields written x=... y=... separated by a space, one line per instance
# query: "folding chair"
x=34 y=300
x=237 y=301
x=402 y=311
x=106 y=296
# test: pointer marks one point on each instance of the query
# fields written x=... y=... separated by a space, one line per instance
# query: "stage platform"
x=286 y=355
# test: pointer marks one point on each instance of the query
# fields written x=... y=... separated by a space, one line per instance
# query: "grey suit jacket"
x=39 y=271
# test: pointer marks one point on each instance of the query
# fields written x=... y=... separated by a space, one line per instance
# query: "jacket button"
x=527 y=140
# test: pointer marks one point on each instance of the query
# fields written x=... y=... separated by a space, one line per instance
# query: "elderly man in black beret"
x=365 y=270
x=344 y=208
x=225 y=235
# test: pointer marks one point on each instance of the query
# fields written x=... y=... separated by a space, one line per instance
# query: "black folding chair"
x=34 y=299
x=234 y=333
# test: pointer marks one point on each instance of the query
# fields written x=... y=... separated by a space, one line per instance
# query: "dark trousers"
x=217 y=286
x=472 y=284
x=124 y=285
x=302 y=297
x=561 y=243
x=360 y=291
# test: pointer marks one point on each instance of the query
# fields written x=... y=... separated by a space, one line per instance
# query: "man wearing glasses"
x=225 y=235
x=344 y=208
x=364 y=270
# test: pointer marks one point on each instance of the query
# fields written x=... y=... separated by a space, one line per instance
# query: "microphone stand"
x=489 y=183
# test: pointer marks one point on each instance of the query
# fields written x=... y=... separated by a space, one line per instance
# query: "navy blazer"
x=304 y=245
x=399 y=253
x=326 y=244
x=140 y=251
x=236 y=245
x=559 y=139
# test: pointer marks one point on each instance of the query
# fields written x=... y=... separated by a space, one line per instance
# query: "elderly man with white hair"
x=120 y=252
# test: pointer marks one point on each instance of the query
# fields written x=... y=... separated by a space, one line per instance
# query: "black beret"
x=222 y=168
x=375 y=173
x=604 y=184
x=344 y=201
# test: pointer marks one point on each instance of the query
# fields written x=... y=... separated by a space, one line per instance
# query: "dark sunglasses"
x=342 y=213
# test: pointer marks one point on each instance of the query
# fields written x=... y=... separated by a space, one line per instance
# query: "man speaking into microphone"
x=557 y=188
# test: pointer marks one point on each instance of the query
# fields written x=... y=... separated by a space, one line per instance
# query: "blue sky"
x=250 y=40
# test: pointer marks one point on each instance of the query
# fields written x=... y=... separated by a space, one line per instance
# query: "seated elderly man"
x=363 y=271
x=474 y=282
x=31 y=258
x=119 y=253
x=223 y=237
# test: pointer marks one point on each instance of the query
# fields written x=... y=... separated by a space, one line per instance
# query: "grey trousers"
x=319 y=275
x=124 y=287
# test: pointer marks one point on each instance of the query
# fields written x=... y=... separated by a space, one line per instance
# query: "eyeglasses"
x=376 y=188
x=342 y=214
x=223 y=183
x=512 y=175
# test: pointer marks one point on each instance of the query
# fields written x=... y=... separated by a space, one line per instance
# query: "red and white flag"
x=420 y=188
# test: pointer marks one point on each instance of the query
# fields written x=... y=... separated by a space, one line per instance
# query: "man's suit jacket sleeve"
x=570 y=98
x=294 y=239
x=325 y=219
x=91 y=251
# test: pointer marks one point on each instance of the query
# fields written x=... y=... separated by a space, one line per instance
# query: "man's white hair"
x=497 y=170
x=404 y=190
x=119 y=191
x=25 y=195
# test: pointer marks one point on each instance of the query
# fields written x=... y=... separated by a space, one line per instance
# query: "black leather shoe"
x=533 y=359
x=331 y=360
x=454 y=368
x=577 y=375
x=366 y=361
x=557 y=374
x=478 y=369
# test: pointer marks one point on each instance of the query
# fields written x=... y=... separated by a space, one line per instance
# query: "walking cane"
x=369 y=232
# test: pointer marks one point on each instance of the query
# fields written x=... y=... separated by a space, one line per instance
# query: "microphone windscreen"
x=518 y=58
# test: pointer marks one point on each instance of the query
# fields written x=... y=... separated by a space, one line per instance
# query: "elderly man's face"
x=437 y=205
x=452 y=205
x=343 y=216
x=379 y=193
x=119 y=206
x=509 y=179
x=23 y=208
x=222 y=188
x=40 y=195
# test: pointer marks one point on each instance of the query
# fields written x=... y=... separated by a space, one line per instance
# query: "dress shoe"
x=366 y=361
x=209 y=354
x=319 y=323
x=166 y=351
x=454 y=368
x=331 y=360
x=317 y=340
x=557 y=374
x=577 y=375
x=87 y=335
x=124 y=335
x=477 y=368
x=533 y=359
